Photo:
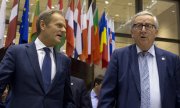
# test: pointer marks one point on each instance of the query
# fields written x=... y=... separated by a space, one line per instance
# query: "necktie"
x=144 y=78
x=46 y=69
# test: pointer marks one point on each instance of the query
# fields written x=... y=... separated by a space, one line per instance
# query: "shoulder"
x=124 y=52
x=125 y=49
x=75 y=79
x=165 y=52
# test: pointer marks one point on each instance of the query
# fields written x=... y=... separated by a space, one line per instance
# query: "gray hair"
x=46 y=17
x=145 y=13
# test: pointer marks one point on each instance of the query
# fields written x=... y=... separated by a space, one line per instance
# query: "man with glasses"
x=142 y=75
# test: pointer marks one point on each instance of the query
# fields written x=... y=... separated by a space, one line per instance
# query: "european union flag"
x=24 y=26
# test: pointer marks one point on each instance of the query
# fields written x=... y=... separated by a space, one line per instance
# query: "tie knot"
x=143 y=54
x=47 y=50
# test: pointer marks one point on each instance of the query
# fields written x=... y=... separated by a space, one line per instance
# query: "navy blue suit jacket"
x=80 y=94
x=121 y=85
x=20 y=68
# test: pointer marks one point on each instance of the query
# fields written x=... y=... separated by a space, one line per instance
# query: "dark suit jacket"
x=80 y=95
x=20 y=67
x=121 y=83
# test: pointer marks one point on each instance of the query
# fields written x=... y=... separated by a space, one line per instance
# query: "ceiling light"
x=7 y=0
x=173 y=11
x=129 y=4
x=106 y=2
x=117 y=15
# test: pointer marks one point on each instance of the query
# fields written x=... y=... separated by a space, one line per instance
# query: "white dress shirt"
x=41 y=53
x=94 y=99
x=155 y=96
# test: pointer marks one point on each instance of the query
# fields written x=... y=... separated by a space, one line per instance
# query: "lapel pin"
x=163 y=58
x=72 y=84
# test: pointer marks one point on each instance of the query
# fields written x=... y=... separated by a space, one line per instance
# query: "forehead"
x=57 y=16
x=144 y=19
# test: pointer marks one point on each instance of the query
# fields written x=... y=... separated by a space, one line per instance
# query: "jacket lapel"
x=32 y=54
x=135 y=66
x=161 y=64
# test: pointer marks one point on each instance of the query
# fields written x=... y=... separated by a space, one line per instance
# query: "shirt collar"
x=40 y=45
x=93 y=94
x=151 y=50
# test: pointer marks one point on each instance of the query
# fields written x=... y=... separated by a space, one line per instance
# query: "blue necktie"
x=46 y=69
x=144 y=78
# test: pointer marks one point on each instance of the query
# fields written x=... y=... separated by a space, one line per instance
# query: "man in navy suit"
x=122 y=85
x=79 y=91
x=22 y=68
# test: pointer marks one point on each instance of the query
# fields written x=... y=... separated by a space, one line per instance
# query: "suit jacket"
x=20 y=67
x=80 y=95
x=121 y=85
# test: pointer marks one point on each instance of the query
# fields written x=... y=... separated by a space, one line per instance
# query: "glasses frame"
x=140 y=26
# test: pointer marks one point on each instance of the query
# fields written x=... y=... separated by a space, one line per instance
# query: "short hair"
x=46 y=17
x=98 y=80
x=145 y=13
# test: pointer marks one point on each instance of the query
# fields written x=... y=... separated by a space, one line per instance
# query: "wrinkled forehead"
x=144 y=19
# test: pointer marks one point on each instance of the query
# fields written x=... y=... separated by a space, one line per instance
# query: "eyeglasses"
x=140 y=26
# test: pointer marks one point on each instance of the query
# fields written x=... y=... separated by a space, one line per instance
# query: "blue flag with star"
x=24 y=26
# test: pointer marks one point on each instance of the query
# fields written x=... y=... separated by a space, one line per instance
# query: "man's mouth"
x=143 y=36
x=59 y=35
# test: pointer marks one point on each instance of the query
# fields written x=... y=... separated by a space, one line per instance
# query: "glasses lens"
x=140 y=26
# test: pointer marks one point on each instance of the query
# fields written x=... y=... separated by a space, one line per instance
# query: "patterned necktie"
x=46 y=69
x=144 y=78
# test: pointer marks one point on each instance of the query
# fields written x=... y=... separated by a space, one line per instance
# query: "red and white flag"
x=90 y=31
x=70 y=29
x=11 y=33
x=84 y=54
x=2 y=22
x=49 y=5
x=60 y=5
x=77 y=25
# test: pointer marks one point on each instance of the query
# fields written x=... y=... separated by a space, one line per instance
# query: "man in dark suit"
x=79 y=91
x=126 y=76
x=23 y=66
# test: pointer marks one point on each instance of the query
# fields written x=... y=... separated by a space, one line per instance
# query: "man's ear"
x=42 y=25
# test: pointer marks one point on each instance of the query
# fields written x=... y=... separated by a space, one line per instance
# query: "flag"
x=11 y=33
x=33 y=28
x=70 y=29
x=60 y=5
x=90 y=32
x=2 y=22
x=112 y=38
x=49 y=4
x=95 y=40
x=24 y=26
x=103 y=41
x=84 y=54
x=77 y=29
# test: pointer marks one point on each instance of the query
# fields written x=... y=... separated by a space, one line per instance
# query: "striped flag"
x=24 y=26
x=77 y=29
x=49 y=4
x=33 y=35
x=112 y=38
x=84 y=54
x=90 y=32
x=11 y=33
x=95 y=40
x=2 y=22
x=103 y=42
x=60 y=5
x=70 y=29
